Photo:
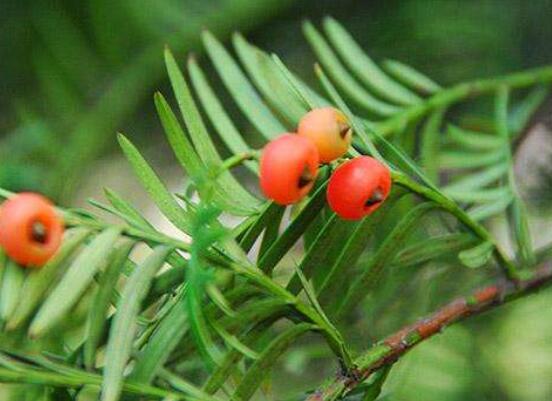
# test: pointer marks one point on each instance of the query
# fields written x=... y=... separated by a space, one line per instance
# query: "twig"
x=396 y=345
x=464 y=91
x=452 y=207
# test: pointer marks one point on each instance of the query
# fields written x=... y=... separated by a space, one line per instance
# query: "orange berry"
x=30 y=229
x=330 y=131
x=358 y=187
x=289 y=165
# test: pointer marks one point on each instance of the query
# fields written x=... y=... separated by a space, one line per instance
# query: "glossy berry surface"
x=358 y=187
x=289 y=165
x=30 y=229
x=330 y=131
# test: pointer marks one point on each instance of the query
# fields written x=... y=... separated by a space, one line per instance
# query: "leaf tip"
x=236 y=35
x=192 y=61
x=170 y=61
x=207 y=37
x=35 y=331
x=122 y=139
x=318 y=69
x=307 y=26
x=108 y=192
x=159 y=100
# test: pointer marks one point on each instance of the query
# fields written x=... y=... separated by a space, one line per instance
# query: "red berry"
x=330 y=131
x=358 y=187
x=289 y=165
x=30 y=230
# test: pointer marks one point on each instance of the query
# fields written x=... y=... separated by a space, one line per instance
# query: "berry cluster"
x=289 y=165
x=30 y=229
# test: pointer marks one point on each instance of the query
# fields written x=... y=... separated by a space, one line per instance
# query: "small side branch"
x=396 y=345
x=463 y=91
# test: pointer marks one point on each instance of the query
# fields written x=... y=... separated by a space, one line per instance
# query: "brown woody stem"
x=396 y=345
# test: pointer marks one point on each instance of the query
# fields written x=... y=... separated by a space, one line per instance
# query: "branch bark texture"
x=396 y=345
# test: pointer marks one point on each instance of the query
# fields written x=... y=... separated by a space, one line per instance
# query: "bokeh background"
x=72 y=73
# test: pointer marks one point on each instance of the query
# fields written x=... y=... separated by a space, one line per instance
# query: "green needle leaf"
x=364 y=67
x=182 y=148
x=10 y=293
x=123 y=330
x=220 y=300
x=355 y=122
x=251 y=235
x=234 y=342
x=486 y=210
x=478 y=180
x=431 y=137
x=269 y=80
x=390 y=246
x=259 y=370
x=401 y=160
x=477 y=256
x=411 y=77
x=461 y=159
x=434 y=249
x=342 y=78
x=294 y=231
x=232 y=357
x=525 y=109
x=132 y=215
x=75 y=281
x=219 y=118
x=472 y=139
x=324 y=250
x=162 y=343
x=241 y=89
x=271 y=232
x=519 y=220
x=180 y=384
x=98 y=311
x=153 y=185
x=373 y=390
x=483 y=195
x=332 y=281
x=517 y=213
x=308 y=97
x=39 y=281
x=232 y=192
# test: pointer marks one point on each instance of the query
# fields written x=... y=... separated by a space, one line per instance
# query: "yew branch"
x=396 y=345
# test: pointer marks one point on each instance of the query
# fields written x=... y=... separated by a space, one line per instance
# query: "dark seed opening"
x=377 y=197
x=305 y=178
x=344 y=130
x=38 y=232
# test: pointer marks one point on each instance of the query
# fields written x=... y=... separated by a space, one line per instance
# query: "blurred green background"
x=72 y=73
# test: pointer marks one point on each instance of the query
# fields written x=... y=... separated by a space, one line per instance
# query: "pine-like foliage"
x=124 y=311
x=90 y=78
